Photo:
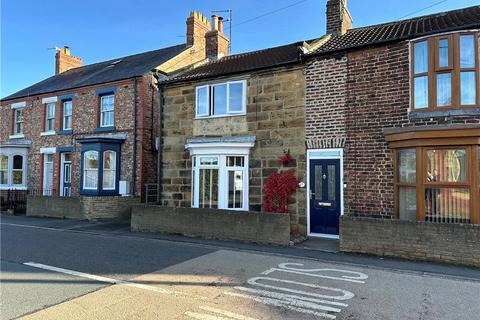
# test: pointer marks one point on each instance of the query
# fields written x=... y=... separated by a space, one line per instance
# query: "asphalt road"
x=60 y=269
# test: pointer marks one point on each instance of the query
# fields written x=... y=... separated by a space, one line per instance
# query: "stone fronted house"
x=226 y=124
x=395 y=109
x=88 y=132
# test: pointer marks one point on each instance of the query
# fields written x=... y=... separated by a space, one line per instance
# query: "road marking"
x=294 y=306
x=204 y=316
x=279 y=295
x=346 y=295
x=111 y=281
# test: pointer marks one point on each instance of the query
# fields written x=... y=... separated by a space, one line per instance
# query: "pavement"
x=63 y=269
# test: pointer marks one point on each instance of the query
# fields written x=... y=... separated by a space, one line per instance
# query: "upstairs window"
x=221 y=99
x=107 y=107
x=444 y=72
x=18 y=121
x=50 y=117
x=67 y=115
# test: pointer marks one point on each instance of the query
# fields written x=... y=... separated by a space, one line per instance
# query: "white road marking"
x=291 y=305
x=283 y=267
x=110 y=280
x=359 y=275
x=202 y=316
x=279 y=295
x=346 y=295
x=226 y=313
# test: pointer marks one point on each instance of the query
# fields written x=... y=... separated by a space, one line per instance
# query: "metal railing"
x=151 y=194
x=13 y=199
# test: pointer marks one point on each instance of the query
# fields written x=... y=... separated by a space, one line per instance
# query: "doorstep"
x=320 y=244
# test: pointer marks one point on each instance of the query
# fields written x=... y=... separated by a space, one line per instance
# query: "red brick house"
x=393 y=127
x=90 y=130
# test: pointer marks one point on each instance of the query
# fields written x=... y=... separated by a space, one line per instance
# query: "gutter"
x=134 y=148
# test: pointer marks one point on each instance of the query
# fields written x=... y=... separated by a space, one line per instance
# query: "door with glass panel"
x=325 y=198
x=47 y=174
x=66 y=174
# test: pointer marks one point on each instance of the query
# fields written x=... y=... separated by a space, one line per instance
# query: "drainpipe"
x=160 y=145
x=134 y=148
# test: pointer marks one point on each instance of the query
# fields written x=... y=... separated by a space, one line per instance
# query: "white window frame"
x=64 y=127
x=10 y=152
x=47 y=118
x=85 y=168
x=114 y=170
x=210 y=98
x=201 y=115
x=223 y=170
x=15 y=121
x=102 y=112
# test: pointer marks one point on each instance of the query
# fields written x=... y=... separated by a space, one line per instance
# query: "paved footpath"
x=52 y=272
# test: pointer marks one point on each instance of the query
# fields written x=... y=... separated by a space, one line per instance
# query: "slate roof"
x=243 y=62
x=102 y=72
x=405 y=29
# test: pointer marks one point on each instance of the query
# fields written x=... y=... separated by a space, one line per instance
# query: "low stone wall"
x=451 y=243
x=81 y=208
x=213 y=223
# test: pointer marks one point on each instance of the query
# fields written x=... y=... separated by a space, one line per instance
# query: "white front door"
x=47 y=174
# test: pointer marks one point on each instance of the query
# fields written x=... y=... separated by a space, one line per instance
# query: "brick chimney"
x=339 y=19
x=64 y=61
x=216 y=42
x=197 y=26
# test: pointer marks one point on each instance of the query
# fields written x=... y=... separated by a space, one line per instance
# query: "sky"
x=97 y=30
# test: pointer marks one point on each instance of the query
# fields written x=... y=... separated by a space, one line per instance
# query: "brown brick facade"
x=275 y=116
x=352 y=109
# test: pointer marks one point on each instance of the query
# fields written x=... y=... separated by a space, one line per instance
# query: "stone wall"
x=451 y=243
x=275 y=116
x=80 y=208
x=213 y=224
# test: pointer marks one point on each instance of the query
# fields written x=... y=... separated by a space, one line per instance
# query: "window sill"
x=13 y=188
x=47 y=133
x=104 y=129
x=220 y=116
x=64 y=132
x=17 y=136
x=443 y=113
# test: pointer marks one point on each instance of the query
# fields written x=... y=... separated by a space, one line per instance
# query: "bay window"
x=437 y=179
x=219 y=181
x=444 y=72
x=100 y=165
x=13 y=164
x=221 y=99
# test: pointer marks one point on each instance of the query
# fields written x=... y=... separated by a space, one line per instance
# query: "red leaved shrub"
x=276 y=191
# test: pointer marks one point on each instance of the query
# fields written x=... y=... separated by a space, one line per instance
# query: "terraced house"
x=88 y=132
x=393 y=127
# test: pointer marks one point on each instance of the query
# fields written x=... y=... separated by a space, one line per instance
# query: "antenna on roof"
x=229 y=20
x=54 y=48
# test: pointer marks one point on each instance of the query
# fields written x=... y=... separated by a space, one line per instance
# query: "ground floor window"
x=220 y=181
x=100 y=163
x=13 y=165
x=438 y=182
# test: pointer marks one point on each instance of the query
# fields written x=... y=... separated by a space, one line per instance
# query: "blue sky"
x=99 y=30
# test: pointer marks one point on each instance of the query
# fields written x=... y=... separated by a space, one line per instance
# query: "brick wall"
x=275 y=115
x=350 y=99
x=451 y=243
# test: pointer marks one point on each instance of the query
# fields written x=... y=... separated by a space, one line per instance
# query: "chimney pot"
x=214 y=22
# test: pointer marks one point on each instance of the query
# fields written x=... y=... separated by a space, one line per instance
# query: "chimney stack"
x=197 y=26
x=216 y=42
x=64 y=61
x=339 y=20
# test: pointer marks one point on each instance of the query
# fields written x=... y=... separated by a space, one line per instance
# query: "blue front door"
x=325 y=196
